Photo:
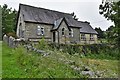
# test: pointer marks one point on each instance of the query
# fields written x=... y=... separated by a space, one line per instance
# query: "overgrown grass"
x=19 y=63
x=94 y=51
x=0 y=59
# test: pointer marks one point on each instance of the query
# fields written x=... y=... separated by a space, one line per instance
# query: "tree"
x=100 y=33
x=111 y=34
x=0 y=23
x=8 y=19
x=111 y=11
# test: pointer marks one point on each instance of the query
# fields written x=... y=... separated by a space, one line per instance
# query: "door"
x=53 y=36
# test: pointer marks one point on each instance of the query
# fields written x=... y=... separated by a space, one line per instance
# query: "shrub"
x=43 y=44
x=12 y=34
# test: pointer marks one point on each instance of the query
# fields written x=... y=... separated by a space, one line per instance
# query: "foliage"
x=111 y=34
x=111 y=11
x=43 y=44
x=8 y=19
x=0 y=59
x=12 y=34
x=99 y=51
x=0 y=23
x=100 y=33
x=18 y=63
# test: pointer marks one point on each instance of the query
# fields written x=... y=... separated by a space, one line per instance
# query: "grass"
x=0 y=59
x=18 y=63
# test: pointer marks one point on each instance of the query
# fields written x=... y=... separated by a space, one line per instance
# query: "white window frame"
x=91 y=37
x=38 y=30
x=83 y=37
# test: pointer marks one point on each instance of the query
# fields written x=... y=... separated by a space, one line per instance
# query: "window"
x=40 y=30
x=91 y=37
x=55 y=23
x=63 y=30
x=83 y=37
x=71 y=33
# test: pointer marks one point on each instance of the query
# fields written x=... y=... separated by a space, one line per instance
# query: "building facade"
x=33 y=23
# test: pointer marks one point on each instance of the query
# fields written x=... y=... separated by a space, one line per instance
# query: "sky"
x=85 y=10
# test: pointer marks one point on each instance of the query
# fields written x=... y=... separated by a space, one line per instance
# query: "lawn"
x=20 y=63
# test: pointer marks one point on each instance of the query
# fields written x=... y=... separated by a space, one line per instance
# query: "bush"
x=100 y=51
x=12 y=34
x=43 y=44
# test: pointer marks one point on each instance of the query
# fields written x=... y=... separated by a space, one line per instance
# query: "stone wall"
x=31 y=31
x=63 y=38
x=76 y=35
x=11 y=41
x=20 y=26
x=67 y=38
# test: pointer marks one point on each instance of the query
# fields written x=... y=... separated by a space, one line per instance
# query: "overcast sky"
x=85 y=10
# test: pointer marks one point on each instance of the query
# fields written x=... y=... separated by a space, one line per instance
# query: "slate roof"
x=57 y=23
x=86 y=28
x=41 y=15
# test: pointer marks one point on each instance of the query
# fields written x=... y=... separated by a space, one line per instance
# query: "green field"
x=18 y=63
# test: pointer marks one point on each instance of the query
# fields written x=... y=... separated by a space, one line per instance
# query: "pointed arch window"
x=63 y=31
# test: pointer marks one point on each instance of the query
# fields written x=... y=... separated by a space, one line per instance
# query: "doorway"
x=53 y=36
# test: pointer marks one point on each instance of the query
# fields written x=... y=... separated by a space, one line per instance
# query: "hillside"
x=20 y=63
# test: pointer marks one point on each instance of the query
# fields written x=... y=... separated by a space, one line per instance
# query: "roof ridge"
x=45 y=9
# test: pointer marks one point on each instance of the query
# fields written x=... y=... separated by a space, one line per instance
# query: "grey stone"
x=40 y=51
x=86 y=68
x=45 y=54
x=90 y=73
x=34 y=49
x=11 y=42
x=5 y=39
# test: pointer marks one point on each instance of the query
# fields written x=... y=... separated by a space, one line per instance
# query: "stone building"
x=33 y=23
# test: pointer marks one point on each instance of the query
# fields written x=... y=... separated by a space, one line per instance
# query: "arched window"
x=63 y=31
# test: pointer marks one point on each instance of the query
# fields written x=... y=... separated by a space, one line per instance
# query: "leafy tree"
x=100 y=33
x=111 y=34
x=111 y=11
x=8 y=19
